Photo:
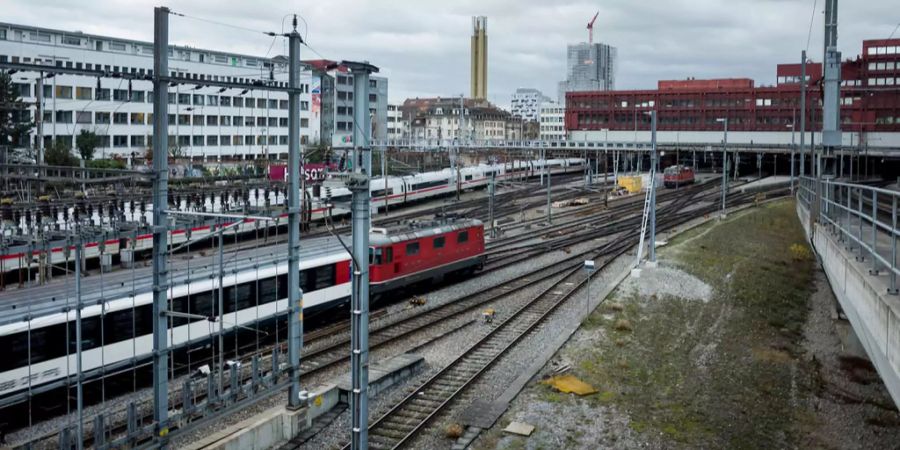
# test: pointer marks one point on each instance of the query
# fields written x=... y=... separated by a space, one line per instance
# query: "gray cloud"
x=423 y=46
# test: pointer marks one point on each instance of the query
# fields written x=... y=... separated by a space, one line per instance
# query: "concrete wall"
x=874 y=315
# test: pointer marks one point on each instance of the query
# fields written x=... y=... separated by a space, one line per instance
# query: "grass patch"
x=716 y=374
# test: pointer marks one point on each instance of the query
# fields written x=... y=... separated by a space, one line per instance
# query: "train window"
x=429 y=184
x=282 y=290
x=324 y=277
x=90 y=334
x=119 y=326
x=266 y=291
x=463 y=236
x=375 y=255
x=388 y=254
x=468 y=177
x=180 y=304
x=239 y=297
x=202 y=304
x=439 y=242
x=305 y=280
x=16 y=351
x=378 y=193
x=412 y=248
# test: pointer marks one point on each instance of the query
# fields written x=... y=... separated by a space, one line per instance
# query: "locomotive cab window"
x=412 y=248
x=463 y=236
x=439 y=242
x=375 y=255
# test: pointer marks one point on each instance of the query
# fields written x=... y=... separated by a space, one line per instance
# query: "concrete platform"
x=383 y=374
x=767 y=182
x=260 y=432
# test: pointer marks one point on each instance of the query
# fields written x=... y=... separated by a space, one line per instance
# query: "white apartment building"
x=553 y=122
x=526 y=104
x=205 y=123
x=397 y=127
x=439 y=118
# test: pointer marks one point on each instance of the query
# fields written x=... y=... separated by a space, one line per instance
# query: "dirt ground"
x=745 y=354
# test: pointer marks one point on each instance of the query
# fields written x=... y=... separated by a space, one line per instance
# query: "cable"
x=811 y=18
x=214 y=22
x=895 y=30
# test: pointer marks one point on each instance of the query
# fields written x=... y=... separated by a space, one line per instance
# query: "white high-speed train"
x=327 y=201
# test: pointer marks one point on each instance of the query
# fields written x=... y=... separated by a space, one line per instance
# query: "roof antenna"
x=295 y=22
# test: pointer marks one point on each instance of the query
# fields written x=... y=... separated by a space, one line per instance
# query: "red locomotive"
x=424 y=251
x=678 y=175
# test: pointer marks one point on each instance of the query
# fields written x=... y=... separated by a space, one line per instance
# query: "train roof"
x=419 y=229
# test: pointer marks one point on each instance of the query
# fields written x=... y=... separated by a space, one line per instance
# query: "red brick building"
x=870 y=100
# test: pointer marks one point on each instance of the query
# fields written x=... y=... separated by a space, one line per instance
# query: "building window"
x=238 y=102
x=137 y=118
x=304 y=122
x=225 y=101
x=2 y=34
x=84 y=93
x=83 y=117
x=248 y=140
x=273 y=104
x=282 y=104
x=64 y=92
x=120 y=95
x=64 y=117
x=120 y=118
x=117 y=46
x=261 y=103
x=101 y=117
x=197 y=119
x=198 y=100
x=225 y=141
x=373 y=97
x=137 y=141
x=212 y=100
x=40 y=37
x=212 y=120
x=120 y=141
x=212 y=140
x=137 y=96
x=71 y=40
x=283 y=140
x=304 y=105
x=198 y=141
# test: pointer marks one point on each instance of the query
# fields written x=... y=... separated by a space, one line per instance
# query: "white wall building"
x=206 y=123
x=526 y=104
x=553 y=122
x=397 y=127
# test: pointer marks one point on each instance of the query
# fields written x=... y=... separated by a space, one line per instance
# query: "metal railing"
x=863 y=218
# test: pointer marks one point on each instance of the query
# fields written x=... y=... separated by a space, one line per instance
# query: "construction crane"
x=590 y=27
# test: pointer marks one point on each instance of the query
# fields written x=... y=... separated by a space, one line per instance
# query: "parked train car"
x=324 y=201
x=678 y=175
x=117 y=328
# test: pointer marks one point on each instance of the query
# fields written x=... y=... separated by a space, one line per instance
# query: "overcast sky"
x=422 y=46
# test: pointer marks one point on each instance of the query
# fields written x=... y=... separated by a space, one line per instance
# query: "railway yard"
x=532 y=282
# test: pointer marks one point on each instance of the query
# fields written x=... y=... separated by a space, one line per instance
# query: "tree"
x=58 y=153
x=87 y=143
x=15 y=119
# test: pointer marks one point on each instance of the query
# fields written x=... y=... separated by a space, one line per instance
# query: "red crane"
x=590 y=27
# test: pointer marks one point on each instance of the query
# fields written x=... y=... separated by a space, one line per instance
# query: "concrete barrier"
x=873 y=313
x=260 y=432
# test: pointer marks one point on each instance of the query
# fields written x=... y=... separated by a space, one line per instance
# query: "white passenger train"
x=328 y=201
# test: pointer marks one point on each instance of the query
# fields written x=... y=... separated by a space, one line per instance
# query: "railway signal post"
x=359 y=299
x=295 y=299
x=160 y=223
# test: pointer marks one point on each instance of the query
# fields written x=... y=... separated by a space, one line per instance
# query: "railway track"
x=328 y=356
x=399 y=425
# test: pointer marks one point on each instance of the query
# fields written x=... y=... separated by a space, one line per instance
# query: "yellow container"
x=631 y=184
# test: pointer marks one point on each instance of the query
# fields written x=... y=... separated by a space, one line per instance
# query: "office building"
x=589 y=67
x=552 y=122
x=526 y=104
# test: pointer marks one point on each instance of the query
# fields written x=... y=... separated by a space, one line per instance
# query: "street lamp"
x=791 y=126
x=605 y=155
x=724 y=120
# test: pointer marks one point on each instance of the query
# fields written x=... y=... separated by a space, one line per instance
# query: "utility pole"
x=78 y=339
x=724 y=163
x=160 y=224
x=654 y=163
x=549 y=214
x=491 y=189
x=359 y=295
x=295 y=154
x=802 y=113
x=832 y=138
